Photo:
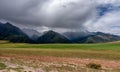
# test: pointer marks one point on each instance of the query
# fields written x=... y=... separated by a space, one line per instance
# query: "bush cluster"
x=94 y=66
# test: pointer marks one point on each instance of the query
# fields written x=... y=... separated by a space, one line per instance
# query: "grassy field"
x=110 y=51
x=82 y=53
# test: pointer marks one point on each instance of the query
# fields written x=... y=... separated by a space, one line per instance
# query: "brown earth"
x=112 y=64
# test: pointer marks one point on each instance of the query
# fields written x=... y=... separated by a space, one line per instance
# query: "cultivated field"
x=19 y=57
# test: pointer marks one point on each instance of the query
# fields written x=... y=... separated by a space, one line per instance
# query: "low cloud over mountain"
x=63 y=15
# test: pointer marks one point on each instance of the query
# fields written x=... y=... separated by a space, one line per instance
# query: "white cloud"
x=109 y=23
x=61 y=15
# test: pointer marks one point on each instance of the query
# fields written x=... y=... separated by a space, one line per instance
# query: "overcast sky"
x=63 y=15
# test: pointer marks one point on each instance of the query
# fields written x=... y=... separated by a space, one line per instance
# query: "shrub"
x=94 y=66
x=2 y=66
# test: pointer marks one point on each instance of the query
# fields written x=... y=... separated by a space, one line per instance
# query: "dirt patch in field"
x=76 y=61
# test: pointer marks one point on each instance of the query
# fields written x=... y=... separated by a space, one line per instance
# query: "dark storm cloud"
x=50 y=13
x=19 y=11
x=59 y=15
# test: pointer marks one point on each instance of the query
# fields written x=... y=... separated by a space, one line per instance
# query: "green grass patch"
x=2 y=66
x=110 y=51
x=63 y=46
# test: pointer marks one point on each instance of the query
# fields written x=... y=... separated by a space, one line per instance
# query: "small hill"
x=53 y=37
x=115 y=42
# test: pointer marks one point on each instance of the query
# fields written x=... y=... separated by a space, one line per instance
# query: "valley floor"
x=59 y=57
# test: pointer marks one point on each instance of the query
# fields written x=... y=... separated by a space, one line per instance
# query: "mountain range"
x=17 y=35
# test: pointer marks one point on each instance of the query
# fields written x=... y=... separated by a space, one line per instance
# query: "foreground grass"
x=109 y=51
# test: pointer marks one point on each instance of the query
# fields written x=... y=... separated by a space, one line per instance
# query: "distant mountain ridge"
x=15 y=34
x=98 y=37
x=33 y=34
x=75 y=35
